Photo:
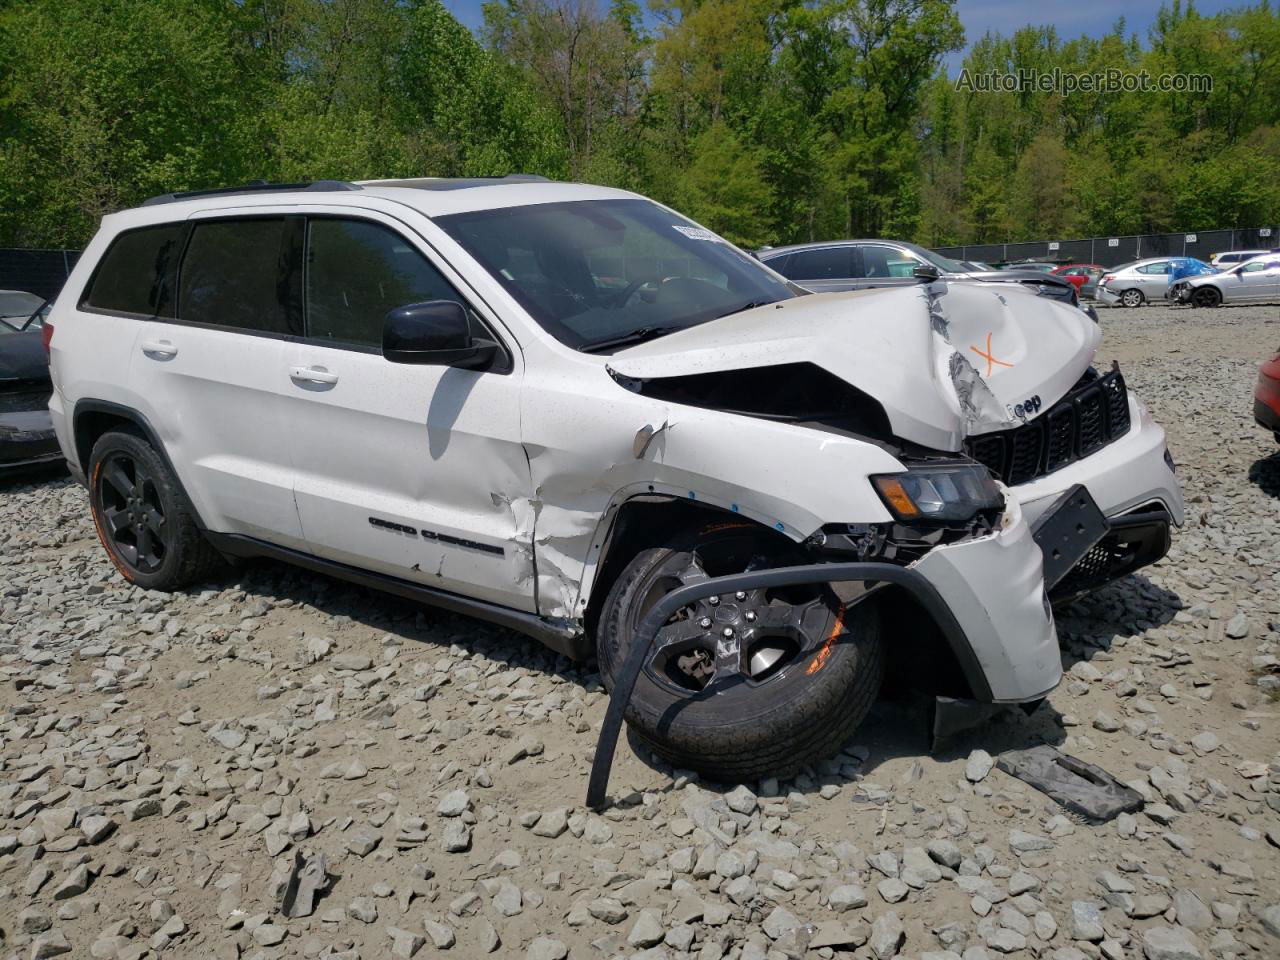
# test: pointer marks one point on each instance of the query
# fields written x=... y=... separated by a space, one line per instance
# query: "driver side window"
x=356 y=272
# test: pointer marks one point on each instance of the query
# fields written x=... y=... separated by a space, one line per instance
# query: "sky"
x=1072 y=17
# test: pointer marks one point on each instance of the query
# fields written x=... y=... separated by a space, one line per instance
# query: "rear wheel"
x=1132 y=298
x=748 y=684
x=1206 y=297
x=142 y=517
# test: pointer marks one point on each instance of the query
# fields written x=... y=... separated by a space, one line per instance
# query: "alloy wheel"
x=744 y=638
x=1131 y=298
x=132 y=513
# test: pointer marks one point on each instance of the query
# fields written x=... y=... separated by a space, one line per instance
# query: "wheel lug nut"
x=751 y=616
x=740 y=595
x=727 y=632
x=704 y=623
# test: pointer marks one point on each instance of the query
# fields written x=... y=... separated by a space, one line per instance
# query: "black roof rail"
x=255 y=186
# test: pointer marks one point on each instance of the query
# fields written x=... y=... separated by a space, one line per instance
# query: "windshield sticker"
x=697 y=233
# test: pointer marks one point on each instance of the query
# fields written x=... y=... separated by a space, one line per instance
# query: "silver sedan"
x=1133 y=284
x=1254 y=281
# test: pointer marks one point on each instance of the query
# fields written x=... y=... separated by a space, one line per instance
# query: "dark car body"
x=1266 y=396
x=26 y=431
x=862 y=264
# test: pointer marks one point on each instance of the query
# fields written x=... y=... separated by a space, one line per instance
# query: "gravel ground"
x=164 y=760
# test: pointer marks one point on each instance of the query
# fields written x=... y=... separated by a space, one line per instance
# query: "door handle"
x=159 y=349
x=312 y=375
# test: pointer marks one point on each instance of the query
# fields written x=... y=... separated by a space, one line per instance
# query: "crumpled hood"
x=946 y=360
x=22 y=356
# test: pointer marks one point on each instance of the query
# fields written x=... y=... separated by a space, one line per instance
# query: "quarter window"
x=357 y=272
x=137 y=272
x=243 y=274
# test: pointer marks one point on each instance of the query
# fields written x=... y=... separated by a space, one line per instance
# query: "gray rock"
x=892 y=890
x=363 y=909
x=847 y=896
x=945 y=852
x=607 y=909
x=1086 y=921
x=551 y=824
x=887 y=935
x=546 y=948
x=404 y=943
x=1022 y=842
x=1191 y=911
x=440 y=934
x=1004 y=940
x=779 y=921
x=978 y=766
x=647 y=930
x=454 y=804
x=741 y=800
x=1169 y=943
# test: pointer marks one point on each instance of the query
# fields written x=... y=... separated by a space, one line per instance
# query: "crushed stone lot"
x=166 y=761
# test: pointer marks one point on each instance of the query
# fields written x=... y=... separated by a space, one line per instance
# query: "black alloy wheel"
x=132 y=512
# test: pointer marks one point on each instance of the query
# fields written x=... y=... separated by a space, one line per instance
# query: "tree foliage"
x=769 y=120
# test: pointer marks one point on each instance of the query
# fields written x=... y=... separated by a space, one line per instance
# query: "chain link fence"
x=42 y=272
x=1113 y=251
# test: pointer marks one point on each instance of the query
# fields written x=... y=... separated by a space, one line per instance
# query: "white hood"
x=921 y=351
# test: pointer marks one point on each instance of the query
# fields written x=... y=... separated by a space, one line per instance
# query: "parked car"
x=1083 y=276
x=440 y=388
x=1254 y=281
x=1266 y=396
x=1133 y=284
x=1224 y=261
x=26 y=432
x=1037 y=266
x=863 y=264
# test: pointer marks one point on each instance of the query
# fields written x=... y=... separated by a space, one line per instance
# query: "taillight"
x=1107 y=278
x=46 y=335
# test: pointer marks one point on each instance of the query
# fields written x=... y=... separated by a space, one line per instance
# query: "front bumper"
x=27 y=439
x=994 y=587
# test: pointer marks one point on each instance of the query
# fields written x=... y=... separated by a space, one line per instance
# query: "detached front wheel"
x=743 y=685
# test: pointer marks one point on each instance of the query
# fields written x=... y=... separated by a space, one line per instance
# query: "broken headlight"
x=952 y=492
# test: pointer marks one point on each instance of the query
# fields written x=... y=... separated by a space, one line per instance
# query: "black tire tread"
x=195 y=558
x=719 y=751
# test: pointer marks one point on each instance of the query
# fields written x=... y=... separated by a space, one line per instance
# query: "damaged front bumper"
x=994 y=588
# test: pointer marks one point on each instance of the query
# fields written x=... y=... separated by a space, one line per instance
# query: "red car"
x=1266 y=396
x=1080 y=274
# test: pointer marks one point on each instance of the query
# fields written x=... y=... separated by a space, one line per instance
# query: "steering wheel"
x=623 y=296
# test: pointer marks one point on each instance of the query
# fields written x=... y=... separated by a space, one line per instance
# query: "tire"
x=1207 y=297
x=1132 y=298
x=142 y=516
x=787 y=716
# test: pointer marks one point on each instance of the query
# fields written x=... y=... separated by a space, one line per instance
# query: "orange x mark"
x=991 y=361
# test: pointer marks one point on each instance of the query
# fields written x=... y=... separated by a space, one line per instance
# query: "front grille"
x=1093 y=414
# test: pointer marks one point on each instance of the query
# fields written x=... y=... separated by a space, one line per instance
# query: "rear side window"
x=880 y=262
x=136 y=274
x=357 y=272
x=244 y=274
x=830 y=263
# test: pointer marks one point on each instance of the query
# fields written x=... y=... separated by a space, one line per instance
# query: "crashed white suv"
x=549 y=404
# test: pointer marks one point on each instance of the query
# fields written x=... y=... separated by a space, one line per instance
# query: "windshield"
x=945 y=264
x=593 y=272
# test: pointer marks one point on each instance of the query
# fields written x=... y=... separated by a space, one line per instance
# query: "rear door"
x=411 y=470
x=821 y=269
x=1153 y=278
x=211 y=372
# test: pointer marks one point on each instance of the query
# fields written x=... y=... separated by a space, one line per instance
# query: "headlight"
x=953 y=492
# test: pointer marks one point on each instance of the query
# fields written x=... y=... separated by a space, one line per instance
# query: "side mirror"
x=436 y=332
x=925 y=272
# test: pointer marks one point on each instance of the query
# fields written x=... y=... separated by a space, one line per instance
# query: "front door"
x=1255 y=280
x=410 y=470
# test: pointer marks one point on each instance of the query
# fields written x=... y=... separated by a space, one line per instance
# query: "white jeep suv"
x=549 y=404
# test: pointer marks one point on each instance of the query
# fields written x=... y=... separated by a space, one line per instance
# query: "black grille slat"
x=1092 y=415
x=1062 y=438
x=1026 y=447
